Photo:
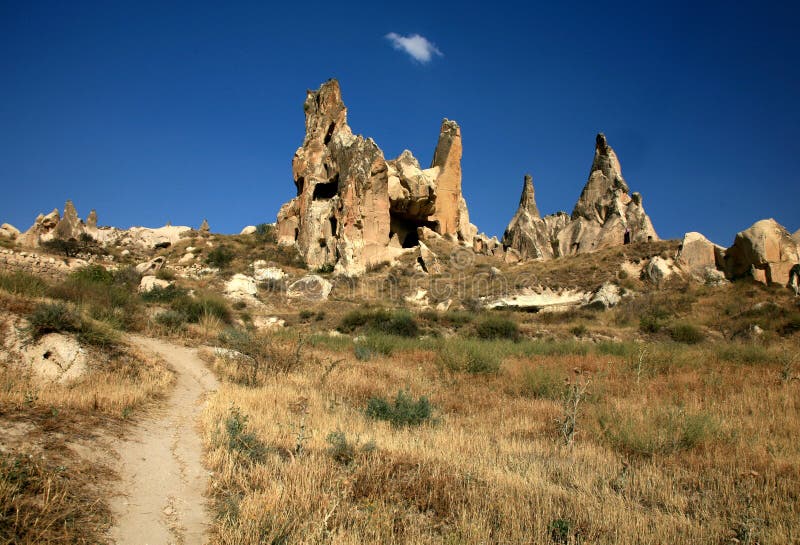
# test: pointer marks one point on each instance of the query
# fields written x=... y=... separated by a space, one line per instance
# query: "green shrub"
x=194 y=308
x=165 y=274
x=496 y=327
x=238 y=439
x=171 y=320
x=53 y=318
x=554 y=348
x=662 y=431
x=326 y=268
x=686 y=333
x=380 y=343
x=220 y=257
x=472 y=357
x=404 y=411
x=305 y=315
x=579 y=330
x=362 y=352
x=163 y=295
x=381 y=321
x=650 y=324
x=20 y=283
x=97 y=333
x=543 y=383
x=95 y=274
x=611 y=348
x=744 y=353
x=265 y=232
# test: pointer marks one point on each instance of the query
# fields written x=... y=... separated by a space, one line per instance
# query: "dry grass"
x=699 y=451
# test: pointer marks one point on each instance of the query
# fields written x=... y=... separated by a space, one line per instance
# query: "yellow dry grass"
x=703 y=452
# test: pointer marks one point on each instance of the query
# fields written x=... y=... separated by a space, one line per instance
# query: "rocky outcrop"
x=766 y=251
x=796 y=236
x=9 y=231
x=70 y=226
x=605 y=214
x=149 y=283
x=528 y=233
x=41 y=230
x=248 y=230
x=241 y=287
x=353 y=207
x=311 y=287
x=697 y=253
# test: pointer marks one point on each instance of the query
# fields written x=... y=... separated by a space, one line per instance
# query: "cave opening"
x=334 y=224
x=406 y=229
x=300 y=183
x=329 y=134
x=326 y=190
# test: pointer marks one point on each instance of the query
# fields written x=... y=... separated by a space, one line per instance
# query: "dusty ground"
x=162 y=479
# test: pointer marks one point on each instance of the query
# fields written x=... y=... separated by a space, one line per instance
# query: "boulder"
x=150 y=268
x=249 y=230
x=419 y=298
x=263 y=272
x=714 y=277
x=658 y=269
x=311 y=287
x=697 y=253
x=268 y=322
x=765 y=251
x=186 y=259
x=148 y=283
x=607 y=296
x=9 y=231
x=241 y=286
x=56 y=358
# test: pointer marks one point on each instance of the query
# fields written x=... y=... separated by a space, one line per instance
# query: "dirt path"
x=163 y=481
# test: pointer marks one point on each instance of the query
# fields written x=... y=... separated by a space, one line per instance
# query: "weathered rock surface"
x=262 y=271
x=766 y=251
x=658 y=269
x=609 y=295
x=543 y=300
x=150 y=268
x=796 y=236
x=268 y=322
x=41 y=230
x=149 y=283
x=241 y=286
x=605 y=214
x=528 y=233
x=248 y=230
x=697 y=253
x=353 y=208
x=204 y=228
x=56 y=358
x=9 y=231
x=311 y=287
x=70 y=225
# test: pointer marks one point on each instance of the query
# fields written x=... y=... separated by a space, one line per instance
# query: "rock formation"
x=697 y=253
x=766 y=251
x=528 y=233
x=605 y=215
x=353 y=208
x=9 y=231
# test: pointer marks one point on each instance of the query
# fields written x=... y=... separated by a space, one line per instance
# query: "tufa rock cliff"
x=354 y=208
x=605 y=215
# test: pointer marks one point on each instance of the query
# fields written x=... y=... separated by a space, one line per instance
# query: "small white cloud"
x=415 y=45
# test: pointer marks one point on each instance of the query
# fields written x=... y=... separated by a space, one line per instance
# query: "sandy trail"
x=163 y=481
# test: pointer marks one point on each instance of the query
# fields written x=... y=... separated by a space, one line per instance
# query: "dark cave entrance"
x=326 y=190
x=406 y=229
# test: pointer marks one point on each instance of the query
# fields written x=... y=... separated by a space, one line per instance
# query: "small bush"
x=238 y=439
x=381 y=321
x=543 y=383
x=658 y=432
x=265 y=232
x=650 y=324
x=362 y=352
x=97 y=333
x=496 y=327
x=472 y=357
x=742 y=353
x=171 y=320
x=53 y=318
x=220 y=257
x=579 y=330
x=20 y=283
x=305 y=315
x=404 y=411
x=686 y=333
x=163 y=295
x=344 y=451
x=326 y=268
x=611 y=348
x=165 y=274
x=194 y=308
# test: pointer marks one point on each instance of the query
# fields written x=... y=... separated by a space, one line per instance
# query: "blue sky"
x=168 y=111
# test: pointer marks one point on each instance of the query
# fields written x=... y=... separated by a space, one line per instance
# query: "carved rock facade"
x=354 y=208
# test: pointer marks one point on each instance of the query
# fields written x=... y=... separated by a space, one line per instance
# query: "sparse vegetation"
x=220 y=257
x=495 y=327
x=380 y=321
x=403 y=411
